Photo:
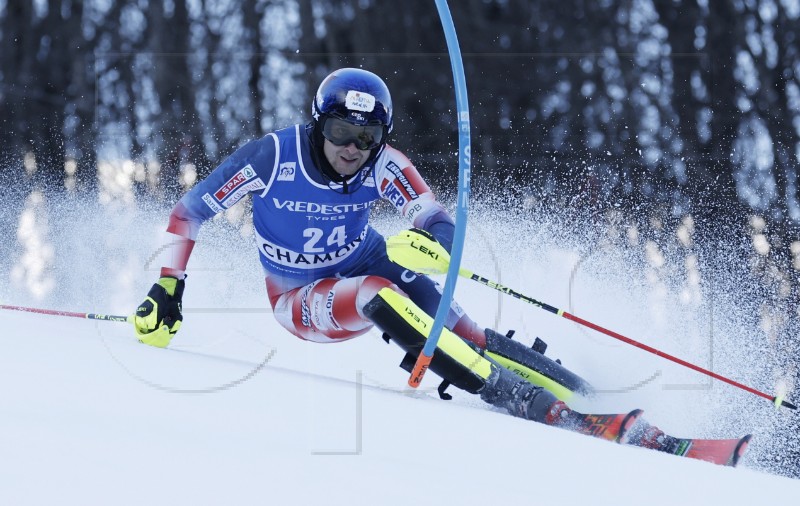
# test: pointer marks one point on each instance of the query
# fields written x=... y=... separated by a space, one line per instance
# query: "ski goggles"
x=342 y=133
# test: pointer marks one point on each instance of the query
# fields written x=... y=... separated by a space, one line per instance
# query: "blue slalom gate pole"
x=462 y=204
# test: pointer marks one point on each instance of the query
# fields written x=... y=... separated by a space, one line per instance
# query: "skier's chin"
x=347 y=167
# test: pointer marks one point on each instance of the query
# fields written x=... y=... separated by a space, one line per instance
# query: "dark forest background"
x=675 y=115
x=670 y=101
x=683 y=108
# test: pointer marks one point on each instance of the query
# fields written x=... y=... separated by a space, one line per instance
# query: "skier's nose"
x=351 y=148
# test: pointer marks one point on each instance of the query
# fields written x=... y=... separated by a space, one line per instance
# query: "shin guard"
x=456 y=361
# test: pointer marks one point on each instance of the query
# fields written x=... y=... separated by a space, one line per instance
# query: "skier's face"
x=345 y=160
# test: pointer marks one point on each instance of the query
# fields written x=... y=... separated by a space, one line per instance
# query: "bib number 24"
x=315 y=235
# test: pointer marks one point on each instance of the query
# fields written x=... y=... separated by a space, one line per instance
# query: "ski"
x=611 y=427
x=724 y=452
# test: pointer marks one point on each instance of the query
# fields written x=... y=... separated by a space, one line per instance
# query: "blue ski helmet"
x=356 y=96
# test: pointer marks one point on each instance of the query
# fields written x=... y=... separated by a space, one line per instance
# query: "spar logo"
x=246 y=174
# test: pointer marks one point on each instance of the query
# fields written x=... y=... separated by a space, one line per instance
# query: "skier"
x=313 y=186
x=328 y=276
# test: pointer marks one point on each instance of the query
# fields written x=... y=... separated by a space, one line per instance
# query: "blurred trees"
x=684 y=103
x=686 y=106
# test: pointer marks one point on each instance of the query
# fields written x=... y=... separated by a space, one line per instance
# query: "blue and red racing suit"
x=321 y=258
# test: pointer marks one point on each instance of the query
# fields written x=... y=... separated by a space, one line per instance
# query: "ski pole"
x=87 y=316
x=417 y=252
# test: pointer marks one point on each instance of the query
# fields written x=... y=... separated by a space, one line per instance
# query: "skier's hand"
x=159 y=317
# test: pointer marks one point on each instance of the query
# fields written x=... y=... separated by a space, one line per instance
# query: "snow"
x=240 y=412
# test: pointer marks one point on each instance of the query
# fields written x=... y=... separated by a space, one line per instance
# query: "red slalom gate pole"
x=677 y=360
x=775 y=399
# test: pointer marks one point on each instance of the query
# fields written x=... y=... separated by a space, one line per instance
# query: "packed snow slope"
x=238 y=411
